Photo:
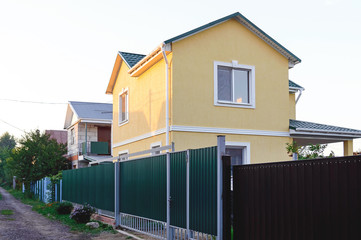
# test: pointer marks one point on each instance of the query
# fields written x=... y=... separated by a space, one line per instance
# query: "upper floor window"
x=72 y=136
x=234 y=85
x=123 y=107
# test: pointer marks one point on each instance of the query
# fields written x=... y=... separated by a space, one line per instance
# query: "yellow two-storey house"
x=227 y=77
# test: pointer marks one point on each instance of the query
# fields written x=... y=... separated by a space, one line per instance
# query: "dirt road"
x=27 y=224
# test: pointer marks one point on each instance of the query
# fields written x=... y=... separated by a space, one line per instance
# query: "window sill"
x=123 y=123
x=236 y=105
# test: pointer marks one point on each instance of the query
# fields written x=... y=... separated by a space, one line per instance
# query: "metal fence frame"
x=165 y=230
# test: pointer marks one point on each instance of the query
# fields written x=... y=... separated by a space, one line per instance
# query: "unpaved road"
x=29 y=225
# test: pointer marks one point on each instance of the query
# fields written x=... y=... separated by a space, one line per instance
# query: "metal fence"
x=312 y=199
x=45 y=191
x=167 y=196
x=93 y=185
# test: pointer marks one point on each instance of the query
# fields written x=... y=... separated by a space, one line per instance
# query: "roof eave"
x=250 y=26
x=114 y=75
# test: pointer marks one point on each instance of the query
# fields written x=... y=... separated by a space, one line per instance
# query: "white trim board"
x=141 y=137
x=205 y=130
x=229 y=131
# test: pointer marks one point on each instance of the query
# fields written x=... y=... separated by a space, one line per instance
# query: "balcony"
x=94 y=148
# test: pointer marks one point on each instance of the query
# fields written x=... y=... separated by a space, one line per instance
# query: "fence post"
x=187 y=193
x=116 y=193
x=227 y=202
x=221 y=149
x=169 y=231
x=61 y=191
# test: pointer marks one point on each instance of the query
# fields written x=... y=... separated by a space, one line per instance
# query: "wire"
x=36 y=102
x=24 y=101
x=12 y=126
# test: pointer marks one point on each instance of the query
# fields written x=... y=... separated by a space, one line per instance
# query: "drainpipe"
x=166 y=96
x=86 y=137
x=299 y=95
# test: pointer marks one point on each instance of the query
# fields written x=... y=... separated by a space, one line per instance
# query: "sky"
x=52 y=52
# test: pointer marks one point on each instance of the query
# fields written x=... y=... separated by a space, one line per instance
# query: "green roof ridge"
x=236 y=14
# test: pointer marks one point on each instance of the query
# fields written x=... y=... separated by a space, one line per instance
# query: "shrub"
x=82 y=214
x=64 y=208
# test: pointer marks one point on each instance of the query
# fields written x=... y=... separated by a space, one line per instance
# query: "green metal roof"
x=248 y=24
x=131 y=58
x=294 y=85
x=316 y=127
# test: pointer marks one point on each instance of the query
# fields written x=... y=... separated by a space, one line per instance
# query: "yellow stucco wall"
x=292 y=106
x=193 y=80
x=142 y=145
x=263 y=148
x=146 y=103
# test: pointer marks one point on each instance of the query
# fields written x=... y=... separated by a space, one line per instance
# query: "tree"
x=7 y=143
x=38 y=156
x=309 y=151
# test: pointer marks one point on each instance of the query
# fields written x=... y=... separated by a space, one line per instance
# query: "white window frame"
x=155 y=144
x=123 y=152
x=252 y=89
x=72 y=136
x=246 y=146
x=120 y=123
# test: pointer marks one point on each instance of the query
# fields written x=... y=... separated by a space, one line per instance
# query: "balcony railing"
x=93 y=148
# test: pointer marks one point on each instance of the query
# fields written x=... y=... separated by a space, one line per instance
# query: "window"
x=155 y=145
x=234 y=85
x=123 y=107
x=72 y=137
x=123 y=153
x=240 y=153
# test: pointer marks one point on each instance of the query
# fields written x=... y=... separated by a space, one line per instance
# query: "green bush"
x=64 y=208
x=82 y=214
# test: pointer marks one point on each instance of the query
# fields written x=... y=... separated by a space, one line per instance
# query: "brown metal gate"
x=310 y=199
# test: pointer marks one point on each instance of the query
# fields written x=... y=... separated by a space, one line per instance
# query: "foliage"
x=49 y=211
x=82 y=214
x=38 y=156
x=313 y=151
x=7 y=143
x=292 y=148
x=7 y=212
x=309 y=151
x=64 y=208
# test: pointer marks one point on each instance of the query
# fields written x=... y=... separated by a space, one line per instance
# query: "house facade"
x=228 y=78
x=89 y=132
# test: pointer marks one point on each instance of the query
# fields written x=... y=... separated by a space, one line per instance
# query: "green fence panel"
x=178 y=174
x=203 y=190
x=93 y=185
x=143 y=187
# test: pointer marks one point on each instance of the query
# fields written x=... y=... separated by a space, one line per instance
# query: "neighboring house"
x=227 y=77
x=89 y=132
x=60 y=136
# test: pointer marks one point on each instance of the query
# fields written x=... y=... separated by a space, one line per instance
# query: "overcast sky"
x=58 y=51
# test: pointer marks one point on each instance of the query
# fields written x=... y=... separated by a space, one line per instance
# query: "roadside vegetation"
x=50 y=211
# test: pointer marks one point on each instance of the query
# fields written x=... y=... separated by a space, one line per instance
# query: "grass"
x=49 y=211
x=6 y=212
x=1 y=196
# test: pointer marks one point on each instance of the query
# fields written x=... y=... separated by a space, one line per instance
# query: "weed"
x=7 y=212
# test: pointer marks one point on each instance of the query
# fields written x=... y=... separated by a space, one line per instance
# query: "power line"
x=59 y=103
x=12 y=126
x=24 y=101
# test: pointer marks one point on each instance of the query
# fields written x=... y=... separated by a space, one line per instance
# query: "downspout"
x=166 y=96
x=299 y=95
